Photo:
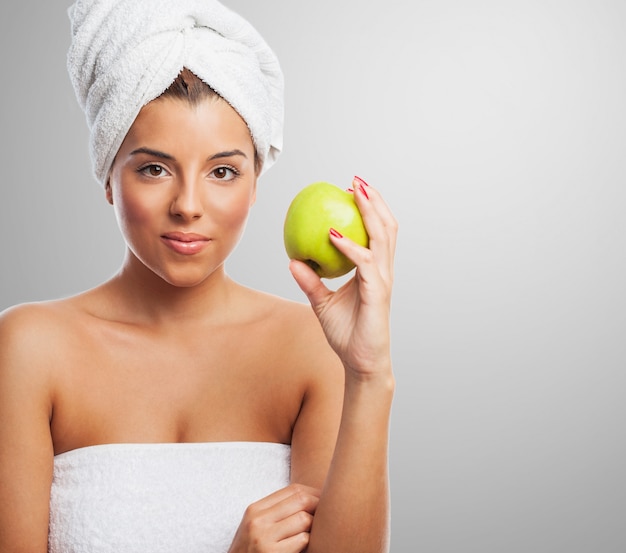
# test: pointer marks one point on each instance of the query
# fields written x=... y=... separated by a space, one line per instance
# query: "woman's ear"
x=108 y=192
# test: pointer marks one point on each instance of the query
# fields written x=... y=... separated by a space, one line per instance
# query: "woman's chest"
x=145 y=391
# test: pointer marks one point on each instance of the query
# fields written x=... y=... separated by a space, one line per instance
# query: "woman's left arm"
x=353 y=511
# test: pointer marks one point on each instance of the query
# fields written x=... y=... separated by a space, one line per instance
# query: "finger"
x=284 y=493
x=300 y=501
x=294 y=544
x=293 y=516
x=379 y=221
x=380 y=224
x=290 y=516
x=310 y=283
x=363 y=258
x=376 y=199
x=297 y=523
x=281 y=520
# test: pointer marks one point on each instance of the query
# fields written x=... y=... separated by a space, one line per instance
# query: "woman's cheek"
x=234 y=212
x=134 y=214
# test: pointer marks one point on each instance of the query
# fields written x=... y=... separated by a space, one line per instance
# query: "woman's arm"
x=353 y=511
x=26 y=451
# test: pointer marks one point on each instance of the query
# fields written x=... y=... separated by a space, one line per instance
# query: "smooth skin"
x=157 y=353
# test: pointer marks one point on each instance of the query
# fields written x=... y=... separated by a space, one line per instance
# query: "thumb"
x=309 y=282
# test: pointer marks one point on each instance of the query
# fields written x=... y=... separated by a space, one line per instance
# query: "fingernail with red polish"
x=335 y=233
x=349 y=190
x=361 y=180
x=362 y=189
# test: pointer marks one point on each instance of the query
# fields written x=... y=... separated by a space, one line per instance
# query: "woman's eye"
x=153 y=171
x=224 y=173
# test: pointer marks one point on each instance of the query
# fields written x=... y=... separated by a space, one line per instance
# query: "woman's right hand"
x=280 y=522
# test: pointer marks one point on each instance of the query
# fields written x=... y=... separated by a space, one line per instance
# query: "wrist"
x=379 y=384
x=380 y=373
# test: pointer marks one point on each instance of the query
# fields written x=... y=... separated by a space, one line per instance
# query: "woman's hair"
x=189 y=87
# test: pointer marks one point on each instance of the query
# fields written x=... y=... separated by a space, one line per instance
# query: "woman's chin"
x=189 y=279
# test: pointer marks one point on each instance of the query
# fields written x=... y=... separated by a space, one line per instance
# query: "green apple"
x=312 y=213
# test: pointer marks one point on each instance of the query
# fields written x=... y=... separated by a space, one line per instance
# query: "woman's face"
x=182 y=185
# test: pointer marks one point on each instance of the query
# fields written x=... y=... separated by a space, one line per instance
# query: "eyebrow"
x=163 y=155
x=228 y=153
x=151 y=152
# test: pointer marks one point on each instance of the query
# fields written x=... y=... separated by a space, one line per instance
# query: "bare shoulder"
x=298 y=325
x=294 y=338
x=32 y=334
x=32 y=321
x=290 y=313
x=305 y=351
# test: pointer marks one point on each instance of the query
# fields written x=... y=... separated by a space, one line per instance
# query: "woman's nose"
x=187 y=202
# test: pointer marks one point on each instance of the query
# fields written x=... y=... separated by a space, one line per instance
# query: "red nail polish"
x=362 y=189
x=361 y=180
x=335 y=233
x=349 y=190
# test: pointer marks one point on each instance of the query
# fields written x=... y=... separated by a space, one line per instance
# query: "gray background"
x=496 y=131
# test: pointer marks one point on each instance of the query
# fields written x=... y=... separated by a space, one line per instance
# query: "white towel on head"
x=125 y=53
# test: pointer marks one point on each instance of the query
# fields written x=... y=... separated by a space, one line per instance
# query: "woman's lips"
x=185 y=243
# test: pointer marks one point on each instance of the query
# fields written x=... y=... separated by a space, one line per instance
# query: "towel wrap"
x=125 y=53
x=161 y=498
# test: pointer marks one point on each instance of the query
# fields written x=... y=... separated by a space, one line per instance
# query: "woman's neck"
x=149 y=299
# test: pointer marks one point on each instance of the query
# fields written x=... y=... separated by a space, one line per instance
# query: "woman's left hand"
x=355 y=318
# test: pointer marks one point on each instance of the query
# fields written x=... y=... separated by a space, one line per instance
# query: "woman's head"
x=125 y=53
x=182 y=184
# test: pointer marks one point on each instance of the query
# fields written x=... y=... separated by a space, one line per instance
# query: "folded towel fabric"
x=125 y=53
x=161 y=498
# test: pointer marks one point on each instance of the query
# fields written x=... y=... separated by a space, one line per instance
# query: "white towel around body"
x=169 y=498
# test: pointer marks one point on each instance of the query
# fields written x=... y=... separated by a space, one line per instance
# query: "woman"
x=170 y=408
